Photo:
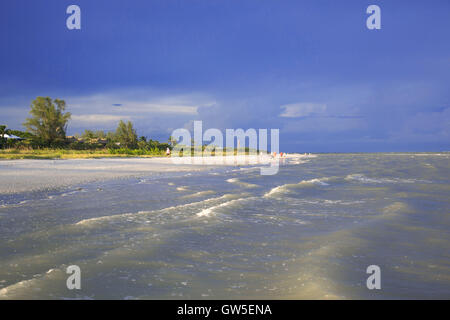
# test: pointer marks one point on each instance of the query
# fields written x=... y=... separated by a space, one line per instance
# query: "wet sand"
x=31 y=175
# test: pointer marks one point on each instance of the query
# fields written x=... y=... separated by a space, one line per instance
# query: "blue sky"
x=310 y=68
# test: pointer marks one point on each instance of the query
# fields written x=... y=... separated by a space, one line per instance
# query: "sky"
x=311 y=69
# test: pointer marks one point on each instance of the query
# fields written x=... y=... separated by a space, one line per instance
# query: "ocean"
x=308 y=232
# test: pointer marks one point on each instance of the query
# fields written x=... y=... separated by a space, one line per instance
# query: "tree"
x=48 y=122
x=3 y=131
x=88 y=134
x=100 y=134
x=126 y=135
x=142 y=143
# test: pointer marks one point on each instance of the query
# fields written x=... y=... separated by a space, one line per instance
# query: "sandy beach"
x=32 y=175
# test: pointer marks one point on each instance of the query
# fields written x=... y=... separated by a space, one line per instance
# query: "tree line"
x=47 y=125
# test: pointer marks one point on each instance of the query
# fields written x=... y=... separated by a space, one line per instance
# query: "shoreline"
x=69 y=155
x=101 y=156
x=28 y=175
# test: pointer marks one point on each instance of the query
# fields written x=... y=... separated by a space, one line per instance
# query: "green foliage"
x=90 y=134
x=136 y=152
x=3 y=131
x=142 y=145
x=126 y=135
x=48 y=122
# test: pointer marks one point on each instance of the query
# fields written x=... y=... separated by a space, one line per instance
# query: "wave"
x=286 y=187
x=241 y=183
x=395 y=209
x=26 y=285
x=317 y=181
x=276 y=190
x=68 y=193
x=4 y=292
x=208 y=211
x=198 y=194
x=362 y=178
x=14 y=205
x=91 y=221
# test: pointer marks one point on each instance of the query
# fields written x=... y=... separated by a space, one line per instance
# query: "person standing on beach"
x=167 y=151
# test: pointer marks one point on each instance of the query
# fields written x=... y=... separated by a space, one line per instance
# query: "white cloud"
x=157 y=108
x=137 y=103
x=89 y=119
x=302 y=109
x=151 y=112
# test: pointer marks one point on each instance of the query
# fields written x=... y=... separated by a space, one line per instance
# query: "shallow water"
x=308 y=232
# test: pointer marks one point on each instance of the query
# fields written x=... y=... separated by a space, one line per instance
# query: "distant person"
x=167 y=151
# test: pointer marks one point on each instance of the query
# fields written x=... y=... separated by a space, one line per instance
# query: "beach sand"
x=31 y=175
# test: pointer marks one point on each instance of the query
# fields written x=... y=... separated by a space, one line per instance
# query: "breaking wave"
x=26 y=285
x=91 y=221
x=286 y=187
x=241 y=183
x=208 y=211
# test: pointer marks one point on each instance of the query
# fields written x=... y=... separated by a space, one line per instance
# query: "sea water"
x=309 y=231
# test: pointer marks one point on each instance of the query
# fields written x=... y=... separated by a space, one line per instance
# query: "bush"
x=135 y=152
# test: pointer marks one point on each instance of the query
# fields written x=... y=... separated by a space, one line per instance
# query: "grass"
x=48 y=153
x=13 y=154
